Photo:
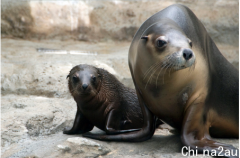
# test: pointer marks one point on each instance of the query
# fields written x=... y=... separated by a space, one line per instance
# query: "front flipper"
x=132 y=135
x=80 y=125
x=195 y=134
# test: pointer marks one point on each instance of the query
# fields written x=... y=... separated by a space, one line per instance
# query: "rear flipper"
x=114 y=123
x=195 y=134
x=113 y=126
x=131 y=135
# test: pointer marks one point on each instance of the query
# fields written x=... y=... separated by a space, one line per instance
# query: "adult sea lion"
x=181 y=77
x=104 y=102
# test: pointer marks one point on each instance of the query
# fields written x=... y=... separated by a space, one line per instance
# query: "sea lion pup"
x=182 y=78
x=104 y=102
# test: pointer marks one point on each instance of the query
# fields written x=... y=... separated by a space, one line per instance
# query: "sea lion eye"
x=94 y=78
x=161 y=43
x=144 y=37
x=75 y=79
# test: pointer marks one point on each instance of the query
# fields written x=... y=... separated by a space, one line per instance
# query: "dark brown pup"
x=104 y=102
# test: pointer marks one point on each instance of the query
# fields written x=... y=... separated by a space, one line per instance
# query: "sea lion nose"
x=84 y=86
x=187 y=54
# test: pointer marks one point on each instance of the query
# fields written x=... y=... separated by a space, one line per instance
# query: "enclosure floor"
x=34 y=85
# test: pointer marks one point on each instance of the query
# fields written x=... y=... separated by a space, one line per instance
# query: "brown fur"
x=102 y=97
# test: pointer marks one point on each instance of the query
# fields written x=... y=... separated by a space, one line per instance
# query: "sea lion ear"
x=144 y=37
x=67 y=76
x=190 y=42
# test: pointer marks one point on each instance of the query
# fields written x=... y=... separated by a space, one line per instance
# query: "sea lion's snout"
x=84 y=86
x=181 y=59
x=187 y=54
x=187 y=58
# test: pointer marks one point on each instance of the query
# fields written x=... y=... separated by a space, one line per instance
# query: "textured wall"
x=104 y=20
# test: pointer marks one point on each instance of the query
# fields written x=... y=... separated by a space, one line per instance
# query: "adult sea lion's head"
x=164 y=48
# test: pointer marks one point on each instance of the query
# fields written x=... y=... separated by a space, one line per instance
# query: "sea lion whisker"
x=152 y=75
x=150 y=69
x=160 y=72
x=178 y=65
x=154 y=72
x=194 y=64
x=191 y=68
x=73 y=91
x=171 y=67
x=168 y=58
x=165 y=72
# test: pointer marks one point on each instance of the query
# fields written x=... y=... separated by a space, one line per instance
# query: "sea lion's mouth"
x=88 y=92
x=177 y=67
x=80 y=92
x=85 y=93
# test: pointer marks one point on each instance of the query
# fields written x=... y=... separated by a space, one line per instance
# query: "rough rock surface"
x=103 y=20
x=77 y=146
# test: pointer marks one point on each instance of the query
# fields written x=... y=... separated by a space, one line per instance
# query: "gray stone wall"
x=109 y=20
